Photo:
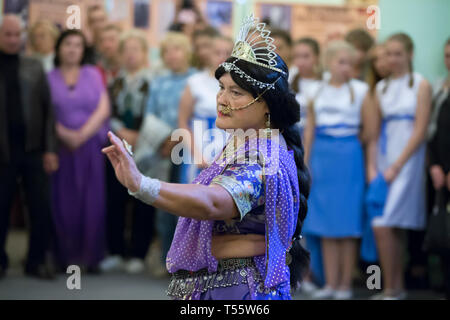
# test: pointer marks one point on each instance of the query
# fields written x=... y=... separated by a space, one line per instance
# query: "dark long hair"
x=64 y=35
x=284 y=114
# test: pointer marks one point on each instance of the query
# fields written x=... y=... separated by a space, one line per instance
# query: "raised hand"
x=124 y=166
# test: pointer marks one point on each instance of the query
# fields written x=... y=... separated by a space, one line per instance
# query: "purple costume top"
x=266 y=192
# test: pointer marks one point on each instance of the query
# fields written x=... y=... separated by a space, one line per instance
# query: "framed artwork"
x=141 y=13
x=219 y=13
x=277 y=16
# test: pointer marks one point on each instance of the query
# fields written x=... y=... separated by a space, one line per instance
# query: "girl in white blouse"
x=340 y=112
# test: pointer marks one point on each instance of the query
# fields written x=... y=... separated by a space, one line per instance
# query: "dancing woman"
x=240 y=220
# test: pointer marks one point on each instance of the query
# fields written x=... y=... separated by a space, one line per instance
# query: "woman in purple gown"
x=78 y=190
x=240 y=220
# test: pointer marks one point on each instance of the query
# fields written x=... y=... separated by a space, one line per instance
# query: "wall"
x=428 y=24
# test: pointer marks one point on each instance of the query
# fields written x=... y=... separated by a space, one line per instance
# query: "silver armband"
x=148 y=190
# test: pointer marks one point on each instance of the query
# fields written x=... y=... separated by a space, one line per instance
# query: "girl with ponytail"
x=404 y=102
x=238 y=235
x=336 y=120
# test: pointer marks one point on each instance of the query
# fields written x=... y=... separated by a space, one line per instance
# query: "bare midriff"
x=237 y=245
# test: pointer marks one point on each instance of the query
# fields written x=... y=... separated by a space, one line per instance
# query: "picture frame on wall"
x=277 y=15
x=19 y=7
x=15 y=6
x=219 y=13
x=141 y=13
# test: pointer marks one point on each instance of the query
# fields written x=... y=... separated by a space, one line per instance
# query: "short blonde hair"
x=47 y=25
x=336 y=46
x=134 y=34
x=179 y=39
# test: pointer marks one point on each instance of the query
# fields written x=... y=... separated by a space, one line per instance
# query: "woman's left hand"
x=371 y=174
x=391 y=173
x=73 y=139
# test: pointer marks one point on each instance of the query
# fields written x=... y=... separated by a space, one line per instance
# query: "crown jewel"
x=254 y=45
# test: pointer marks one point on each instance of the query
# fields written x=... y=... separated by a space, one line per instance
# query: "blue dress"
x=337 y=164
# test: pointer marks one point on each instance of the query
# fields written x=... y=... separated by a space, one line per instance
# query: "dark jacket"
x=37 y=110
x=439 y=144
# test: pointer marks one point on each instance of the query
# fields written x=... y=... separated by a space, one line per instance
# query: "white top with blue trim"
x=397 y=98
x=335 y=113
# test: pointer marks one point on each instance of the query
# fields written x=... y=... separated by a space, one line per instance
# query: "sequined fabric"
x=185 y=285
x=191 y=246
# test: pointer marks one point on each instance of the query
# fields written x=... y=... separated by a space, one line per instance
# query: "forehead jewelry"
x=228 y=109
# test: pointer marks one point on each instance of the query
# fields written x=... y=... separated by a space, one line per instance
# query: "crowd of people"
x=365 y=115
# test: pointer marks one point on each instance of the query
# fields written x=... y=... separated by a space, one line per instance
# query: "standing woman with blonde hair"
x=335 y=156
x=129 y=95
x=160 y=120
x=42 y=38
x=405 y=102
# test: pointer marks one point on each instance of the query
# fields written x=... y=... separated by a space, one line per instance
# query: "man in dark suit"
x=27 y=145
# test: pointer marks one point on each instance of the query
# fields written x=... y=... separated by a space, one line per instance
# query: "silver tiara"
x=254 y=45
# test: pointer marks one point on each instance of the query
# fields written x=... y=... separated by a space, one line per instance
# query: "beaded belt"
x=235 y=263
x=230 y=272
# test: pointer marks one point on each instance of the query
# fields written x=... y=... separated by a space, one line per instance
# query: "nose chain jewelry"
x=227 y=109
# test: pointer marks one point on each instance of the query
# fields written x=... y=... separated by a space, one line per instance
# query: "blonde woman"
x=335 y=156
x=129 y=96
x=42 y=38
x=162 y=118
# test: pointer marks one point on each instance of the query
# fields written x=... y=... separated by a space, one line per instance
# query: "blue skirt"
x=337 y=190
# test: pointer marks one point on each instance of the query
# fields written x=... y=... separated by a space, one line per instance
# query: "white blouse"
x=335 y=113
